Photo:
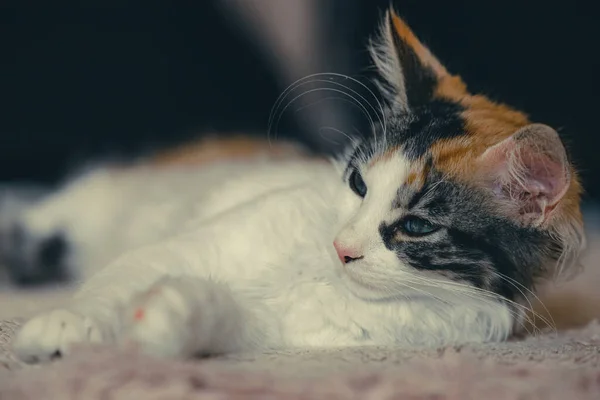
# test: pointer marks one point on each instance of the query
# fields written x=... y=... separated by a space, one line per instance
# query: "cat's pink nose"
x=345 y=254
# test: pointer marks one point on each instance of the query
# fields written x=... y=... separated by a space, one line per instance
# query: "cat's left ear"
x=411 y=74
x=530 y=170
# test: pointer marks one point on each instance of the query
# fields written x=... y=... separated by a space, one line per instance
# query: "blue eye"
x=357 y=184
x=415 y=226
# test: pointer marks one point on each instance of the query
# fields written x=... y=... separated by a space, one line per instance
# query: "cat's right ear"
x=411 y=74
x=531 y=170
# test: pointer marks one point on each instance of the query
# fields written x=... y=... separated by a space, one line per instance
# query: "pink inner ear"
x=529 y=168
x=545 y=176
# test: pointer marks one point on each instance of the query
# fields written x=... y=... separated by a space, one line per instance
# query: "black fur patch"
x=31 y=261
x=425 y=126
x=475 y=244
x=419 y=81
x=52 y=252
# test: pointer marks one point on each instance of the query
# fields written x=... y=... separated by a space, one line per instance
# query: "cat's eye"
x=357 y=184
x=415 y=226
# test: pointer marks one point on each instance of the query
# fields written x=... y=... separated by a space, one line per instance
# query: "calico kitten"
x=433 y=231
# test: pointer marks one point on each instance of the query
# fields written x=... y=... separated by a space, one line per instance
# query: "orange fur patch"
x=486 y=124
x=412 y=177
x=209 y=150
x=418 y=175
x=385 y=156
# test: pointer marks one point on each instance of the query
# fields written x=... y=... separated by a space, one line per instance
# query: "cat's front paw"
x=157 y=321
x=51 y=335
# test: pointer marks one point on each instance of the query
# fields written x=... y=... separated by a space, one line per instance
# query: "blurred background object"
x=299 y=39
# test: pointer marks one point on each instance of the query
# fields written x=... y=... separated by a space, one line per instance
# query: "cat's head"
x=455 y=189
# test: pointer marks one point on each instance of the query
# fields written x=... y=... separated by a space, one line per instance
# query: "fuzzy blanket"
x=550 y=366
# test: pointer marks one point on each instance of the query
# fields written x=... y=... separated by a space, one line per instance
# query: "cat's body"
x=431 y=232
x=265 y=229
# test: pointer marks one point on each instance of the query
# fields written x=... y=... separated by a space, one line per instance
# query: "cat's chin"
x=367 y=292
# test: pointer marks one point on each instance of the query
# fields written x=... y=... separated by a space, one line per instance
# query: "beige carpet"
x=551 y=366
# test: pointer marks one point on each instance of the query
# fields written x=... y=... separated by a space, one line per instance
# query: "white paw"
x=157 y=322
x=51 y=335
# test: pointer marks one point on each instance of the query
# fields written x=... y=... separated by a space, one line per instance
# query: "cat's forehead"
x=399 y=181
x=401 y=153
x=415 y=133
x=446 y=134
x=437 y=142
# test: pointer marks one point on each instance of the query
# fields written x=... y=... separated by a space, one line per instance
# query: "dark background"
x=80 y=83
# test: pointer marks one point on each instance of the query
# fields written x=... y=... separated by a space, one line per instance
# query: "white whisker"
x=360 y=105
x=515 y=283
x=467 y=289
x=275 y=114
x=352 y=140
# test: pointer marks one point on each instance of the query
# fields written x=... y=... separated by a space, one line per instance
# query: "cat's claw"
x=52 y=334
x=155 y=322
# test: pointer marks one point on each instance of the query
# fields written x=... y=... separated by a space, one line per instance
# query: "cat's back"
x=203 y=192
x=109 y=211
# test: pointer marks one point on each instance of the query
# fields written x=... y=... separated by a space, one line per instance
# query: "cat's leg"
x=152 y=298
x=50 y=335
x=185 y=316
x=175 y=317
x=93 y=313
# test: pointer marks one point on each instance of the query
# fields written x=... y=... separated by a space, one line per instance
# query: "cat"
x=432 y=230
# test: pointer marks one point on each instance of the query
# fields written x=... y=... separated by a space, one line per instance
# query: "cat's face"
x=454 y=190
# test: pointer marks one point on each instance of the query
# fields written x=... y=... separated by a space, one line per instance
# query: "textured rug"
x=550 y=366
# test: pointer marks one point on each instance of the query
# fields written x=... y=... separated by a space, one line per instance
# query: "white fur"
x=240 y=256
